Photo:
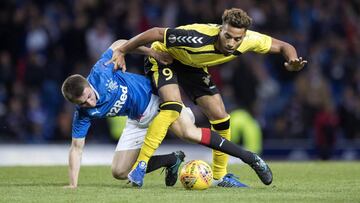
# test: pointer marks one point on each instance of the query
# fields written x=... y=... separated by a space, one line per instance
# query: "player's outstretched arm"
x=149 y=36
x=75 y=155
x=293 y=62
x=140 y=50
x=163 y=57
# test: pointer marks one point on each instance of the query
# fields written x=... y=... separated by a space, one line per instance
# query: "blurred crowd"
x=44 y=41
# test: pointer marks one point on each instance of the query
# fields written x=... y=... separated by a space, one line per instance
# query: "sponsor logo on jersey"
x=172 y=38
x=119 y=103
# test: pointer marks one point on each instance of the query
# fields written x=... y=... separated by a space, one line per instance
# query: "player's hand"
x=162 y=57
x=295 y=64
x=118 y=59
x=70 y=187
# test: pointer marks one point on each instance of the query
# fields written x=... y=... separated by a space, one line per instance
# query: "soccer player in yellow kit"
x=192 y=50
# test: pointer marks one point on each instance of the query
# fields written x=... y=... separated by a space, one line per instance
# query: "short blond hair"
x=236 y=17
x=73 y=87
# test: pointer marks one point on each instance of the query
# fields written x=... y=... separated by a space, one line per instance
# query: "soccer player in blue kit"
x=105 y=93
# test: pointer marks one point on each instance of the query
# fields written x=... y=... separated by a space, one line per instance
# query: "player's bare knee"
x=120 y=174
x=218 y=115
x=215 y=112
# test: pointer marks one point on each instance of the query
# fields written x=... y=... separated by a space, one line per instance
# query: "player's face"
x=87 y=99
x=230 y=38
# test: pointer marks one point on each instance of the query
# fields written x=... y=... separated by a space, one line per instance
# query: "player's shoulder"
x=251 y=34
x=255 y=41
x=102 y=65
x=107 y=54
x=200 y=25
x=209 y=29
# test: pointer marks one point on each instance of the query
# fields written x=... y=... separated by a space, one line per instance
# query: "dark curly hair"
x=236 y=17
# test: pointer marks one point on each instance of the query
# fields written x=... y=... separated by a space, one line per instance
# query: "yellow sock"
x=220 y=159
x=169 y=112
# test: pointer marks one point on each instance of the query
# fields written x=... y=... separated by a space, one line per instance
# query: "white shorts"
x=135 y=130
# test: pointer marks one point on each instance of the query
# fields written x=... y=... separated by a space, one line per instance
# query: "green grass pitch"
x=293 y=182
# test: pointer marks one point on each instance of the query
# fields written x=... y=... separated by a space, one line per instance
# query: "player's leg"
x=124 y=159
x=128 y=149
x=169 y=112
x=122 y=163
x=199 y=87
x=202 y=90
x=164 y=78
x=185 y=129
x=220 y=122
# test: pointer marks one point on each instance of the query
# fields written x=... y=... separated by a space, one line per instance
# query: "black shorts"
x=195 y=82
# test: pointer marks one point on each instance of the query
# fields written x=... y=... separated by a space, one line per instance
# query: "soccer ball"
x=196 y=175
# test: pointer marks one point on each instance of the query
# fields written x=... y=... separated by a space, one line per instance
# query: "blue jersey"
x=118 y=94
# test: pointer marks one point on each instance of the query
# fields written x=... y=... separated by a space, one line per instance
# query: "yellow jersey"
x=194 y=45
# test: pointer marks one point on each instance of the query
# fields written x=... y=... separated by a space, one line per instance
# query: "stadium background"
x=314 y=113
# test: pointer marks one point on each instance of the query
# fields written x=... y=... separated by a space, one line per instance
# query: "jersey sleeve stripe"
x=189 y=38
x=165 y=37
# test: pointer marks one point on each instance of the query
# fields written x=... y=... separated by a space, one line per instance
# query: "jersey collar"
x=96 y=93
